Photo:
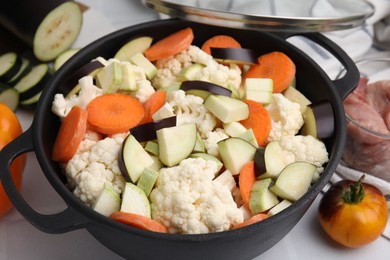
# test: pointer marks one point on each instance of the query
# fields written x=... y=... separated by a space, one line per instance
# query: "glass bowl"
x=367 y=111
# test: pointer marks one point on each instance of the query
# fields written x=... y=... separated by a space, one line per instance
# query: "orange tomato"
x=353 y=213
x=10 y=129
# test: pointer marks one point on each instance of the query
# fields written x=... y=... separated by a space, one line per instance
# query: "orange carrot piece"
x=154 y=103
x=255 y=218
x=114 y=113
x=138 y=221
x=259 y=120
x=220 y=41
x=170 y=45
x=275 y=65
x=246 y=179
x=70 y=135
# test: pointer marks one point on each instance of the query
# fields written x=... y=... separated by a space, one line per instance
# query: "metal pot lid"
x=269 y=15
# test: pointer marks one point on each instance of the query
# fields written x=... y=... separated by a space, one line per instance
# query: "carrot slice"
x=259 y=120
x=275 y=65
x=220 y=41
x=252 y=220
x=138 y=221
x=70 y=134
x=170 y=45
x=114 y=113
x=154 y=103
x=246 y=179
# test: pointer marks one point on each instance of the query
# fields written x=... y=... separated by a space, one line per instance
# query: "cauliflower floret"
x=169 y=69
x=61 y=106
x=286 y=117
x=187 y=200
x=190 y=109
x=94 y=164
x=305 y=148
x=212 y=139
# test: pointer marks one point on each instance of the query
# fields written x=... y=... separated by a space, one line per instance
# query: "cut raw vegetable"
x=110 y=78
x=246 y=179
x=278 y=208
x=235 y=153
x=235 y=55
x=273 y=159
x=296 y=96
x=165 y=111
x=256 y=218
x=227 y=109
x=136 y=45
x=108 y=201
x=205 y=86
x=10 y=64
x=234 y=129
x=70 y=134
x=294 y=180
x=261 y=198
x=176 y=143
x=141 y=61
x=260 y=167
x=133 y=159
x=147 y=131
x=114 y=113
x=9 y=96
x=32 y=83
x=170 y=45
x=259 y=90
x=191 y=72
x=152 y=147
x=199 y=145
x=50 y=27
x=220 y=41
x=147 y=180
x=258 y=120
x=318 y=120
x=63 y=57
x=135 y=201
x=154 y=103
x=31 y=102
x=250 y=137
x=208 y=157
x=138 y=221
x=275 y=65
x=91 y=68
x=24 y=69
x=226 y=179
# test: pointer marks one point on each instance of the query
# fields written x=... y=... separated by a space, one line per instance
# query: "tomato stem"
x=355 y=193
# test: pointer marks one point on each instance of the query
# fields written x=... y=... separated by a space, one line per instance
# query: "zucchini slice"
x=24 y=69
x=33 y=83
x=9 y=96
x=10 y=64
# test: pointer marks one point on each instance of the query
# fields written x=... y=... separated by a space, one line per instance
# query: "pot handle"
x=67 y=220
x=350 y=79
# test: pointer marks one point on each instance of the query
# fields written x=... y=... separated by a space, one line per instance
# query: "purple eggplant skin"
x=236 y=55
x=83 y=71
x=122 y=166
x=207 y=86
x=259 y=161
x=22 y=17
x=323 y=113
x=147 y=131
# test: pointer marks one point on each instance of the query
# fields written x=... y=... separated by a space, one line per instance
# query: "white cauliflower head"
x=211 y=142
x=305 y=148
x=170 y=68
x=286 y=117
x=94 y=164
x=187 y=200
x=190 y=109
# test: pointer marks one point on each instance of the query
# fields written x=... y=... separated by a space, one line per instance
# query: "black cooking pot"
x=133 y=243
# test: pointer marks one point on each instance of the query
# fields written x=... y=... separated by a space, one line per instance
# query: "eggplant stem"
x=355 y=193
